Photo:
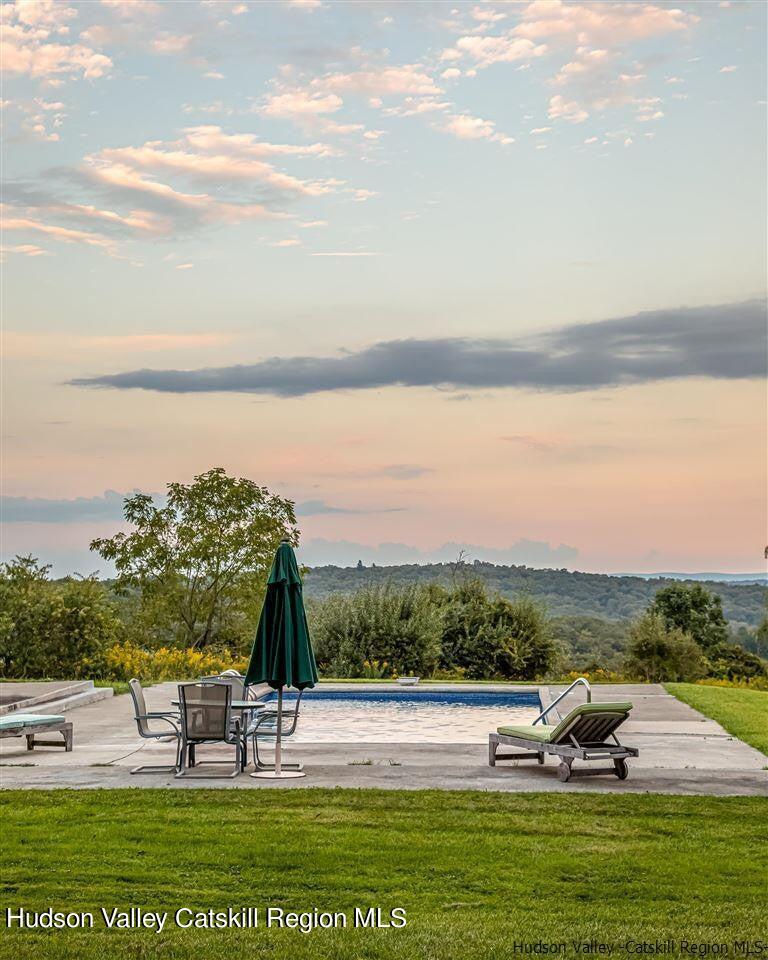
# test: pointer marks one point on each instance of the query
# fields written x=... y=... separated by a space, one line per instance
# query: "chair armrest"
x=287 y=727
x=158 y=716
x=258 y=721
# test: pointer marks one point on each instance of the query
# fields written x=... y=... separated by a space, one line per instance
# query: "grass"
x=744 y=713
x=119 y=686
x=476 y=872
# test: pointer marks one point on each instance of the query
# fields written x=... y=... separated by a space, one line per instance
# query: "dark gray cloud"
x=110 y=507
x=39 y=510
x=726 y=342
x=403 y=471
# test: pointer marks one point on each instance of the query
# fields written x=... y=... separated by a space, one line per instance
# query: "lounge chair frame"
x=535 y=750
x=30 y=731
x=587 y=736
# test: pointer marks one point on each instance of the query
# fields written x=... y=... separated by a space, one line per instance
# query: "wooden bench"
x=29 y=725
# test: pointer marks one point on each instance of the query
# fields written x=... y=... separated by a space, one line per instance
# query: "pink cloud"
x=300 y=103
x=65 y=234
x=25 y=46
x=382 y=82
x=486 y=51
x=562 y=109
x=601 y=23
x=466 y=127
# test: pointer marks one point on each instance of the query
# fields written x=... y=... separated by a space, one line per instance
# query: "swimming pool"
x=408 y=716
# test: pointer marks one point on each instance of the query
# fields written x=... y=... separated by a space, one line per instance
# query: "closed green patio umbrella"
x=282 y=651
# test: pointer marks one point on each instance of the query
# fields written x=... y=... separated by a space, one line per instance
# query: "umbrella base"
x=283 y=766
x=274 y=775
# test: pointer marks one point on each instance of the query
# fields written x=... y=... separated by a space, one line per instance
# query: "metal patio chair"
x=143 y=717
x=206 y=717
x=264 y=725
x=239 y=692
x=234 y=679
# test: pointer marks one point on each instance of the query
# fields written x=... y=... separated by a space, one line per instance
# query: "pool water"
x=407 y=716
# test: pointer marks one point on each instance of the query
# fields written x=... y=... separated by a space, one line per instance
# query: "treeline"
x=465 y=632
x=190 y=578
x=86 y=628
x=429 y=631
x=562 y=592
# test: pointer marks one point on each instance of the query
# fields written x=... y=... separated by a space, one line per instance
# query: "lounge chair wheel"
x=622 y=770
x=564 y=772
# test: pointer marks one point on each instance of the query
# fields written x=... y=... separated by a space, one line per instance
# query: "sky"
x=485 y=276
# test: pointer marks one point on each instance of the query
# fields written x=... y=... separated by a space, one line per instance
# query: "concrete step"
x=77 y=700
x=42 y=693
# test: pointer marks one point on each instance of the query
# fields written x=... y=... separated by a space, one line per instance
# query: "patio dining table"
x=237 y=704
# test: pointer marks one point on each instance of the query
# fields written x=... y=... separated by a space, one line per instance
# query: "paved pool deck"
x=681 y=752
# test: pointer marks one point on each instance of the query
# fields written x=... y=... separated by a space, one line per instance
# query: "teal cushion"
x=28 y=720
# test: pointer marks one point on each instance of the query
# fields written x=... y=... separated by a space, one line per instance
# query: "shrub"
x=430 y=631
x=490 y=637
x=596 y=675
x=57 y=630
x=378 y=623
x=124 y=661
x=658 y=653
x=753 y=683
x=728 y=661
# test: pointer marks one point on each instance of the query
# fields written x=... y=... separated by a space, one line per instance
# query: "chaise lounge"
x=582 y=735
x=29 y=724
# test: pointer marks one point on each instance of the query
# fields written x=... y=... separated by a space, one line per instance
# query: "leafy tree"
x=47 y=629
x=591 y=643
x=693 y=610
x=728 y=661
x=754 y=641
x=415 y=629
x=658 y=652
x=376 y=624
x=494 y=637
x=26 y=617
x=761 y=636
x=199 y=562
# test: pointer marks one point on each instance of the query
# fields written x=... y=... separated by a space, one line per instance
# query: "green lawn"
x=476 y=872
x=744 y=713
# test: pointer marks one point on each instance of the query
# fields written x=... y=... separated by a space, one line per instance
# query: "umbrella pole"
x=278 y=773
x=278 y=738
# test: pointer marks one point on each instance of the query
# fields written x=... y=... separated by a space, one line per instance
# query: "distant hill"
x=761 y=578
x=564 y=593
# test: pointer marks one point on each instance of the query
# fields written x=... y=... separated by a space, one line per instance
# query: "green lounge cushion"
x=540 y=733
x=543 y=733
x=28 y=720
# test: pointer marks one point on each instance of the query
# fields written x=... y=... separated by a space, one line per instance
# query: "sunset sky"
x=483 y=275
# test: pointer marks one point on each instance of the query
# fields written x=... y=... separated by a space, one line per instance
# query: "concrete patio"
x=681 y=752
